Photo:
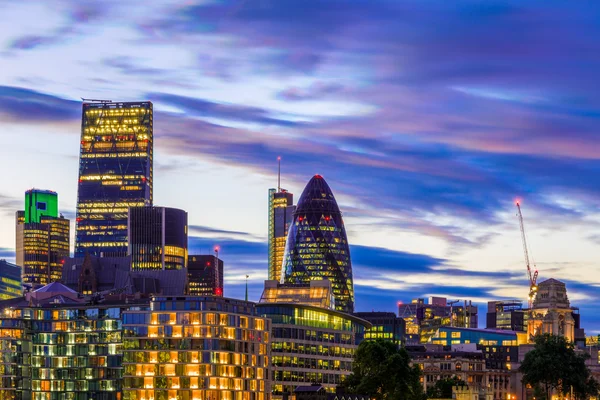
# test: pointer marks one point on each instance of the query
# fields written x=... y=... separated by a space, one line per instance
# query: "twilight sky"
x=427 y=119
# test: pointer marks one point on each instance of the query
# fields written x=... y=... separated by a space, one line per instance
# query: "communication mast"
x=532 y=276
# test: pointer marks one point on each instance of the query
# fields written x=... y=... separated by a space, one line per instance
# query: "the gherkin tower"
x=317 y=247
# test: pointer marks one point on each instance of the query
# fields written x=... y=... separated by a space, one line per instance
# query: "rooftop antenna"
x=279 y=174
x=95 y=101
x=247 y=276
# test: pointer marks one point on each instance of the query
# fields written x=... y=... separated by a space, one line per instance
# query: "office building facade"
x=196 y=348
x=424 y=318
x=10 y=280
x=317 y=246
x=42 y=238
x=115 y=173
x=311 y=345
x=281 y=214
x=205 y=275
x=157 y=238
x=55 y=346
x=508 y=315
x=385 y=326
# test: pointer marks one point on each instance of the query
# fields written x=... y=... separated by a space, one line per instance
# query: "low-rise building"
x=196 y=348
x=385 y=325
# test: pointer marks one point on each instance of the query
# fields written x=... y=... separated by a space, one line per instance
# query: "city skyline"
x=426 y=142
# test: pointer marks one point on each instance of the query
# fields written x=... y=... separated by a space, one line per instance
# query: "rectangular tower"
x=42 y=238
x=115 y=173
x=205 y=275
x=157 y=238
x=281 y=214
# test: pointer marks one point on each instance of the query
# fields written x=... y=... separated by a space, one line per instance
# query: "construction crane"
x=532 y=276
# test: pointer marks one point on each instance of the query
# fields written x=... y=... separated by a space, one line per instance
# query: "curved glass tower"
x=317 y=247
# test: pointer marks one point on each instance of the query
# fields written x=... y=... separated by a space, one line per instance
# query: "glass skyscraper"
x=115 y=173
x=42 y=238
x=281 y=213
x=10 y=280
x=157 y=238
x=317 y=247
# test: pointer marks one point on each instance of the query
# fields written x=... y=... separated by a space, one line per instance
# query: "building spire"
x=279 y=174
x=247 y=276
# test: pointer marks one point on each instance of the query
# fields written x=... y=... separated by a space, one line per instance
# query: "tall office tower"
x=157 y=238
x=10 y=281
x=205 y=275
x=317 y=247
x=115 y=173
x=42 y=238
x=281 y=214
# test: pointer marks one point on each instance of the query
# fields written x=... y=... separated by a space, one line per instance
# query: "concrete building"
x=552 y=312
x=195 y=348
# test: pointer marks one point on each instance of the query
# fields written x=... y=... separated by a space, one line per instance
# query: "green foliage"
x=383 y=372
x=443 y=388
x=553 y=365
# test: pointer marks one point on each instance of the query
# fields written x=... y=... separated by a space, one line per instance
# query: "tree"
x=383 y=372
x=443 y=388
x=553 y=365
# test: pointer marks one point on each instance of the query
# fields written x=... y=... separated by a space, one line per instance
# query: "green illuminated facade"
x=42 y=239
x=40 y=203
x=311 y=345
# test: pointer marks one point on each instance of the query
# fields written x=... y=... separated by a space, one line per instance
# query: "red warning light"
x=208 y=263
x=279 y=158
x=327 y=218
x=300 y=218
x=517 y=201
x=219 y=291
x=318 y=176
x=217 y=248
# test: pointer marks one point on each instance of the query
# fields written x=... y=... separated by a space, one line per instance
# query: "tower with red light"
x=205 y=274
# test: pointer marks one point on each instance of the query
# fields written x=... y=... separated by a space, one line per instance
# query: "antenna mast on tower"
x=279 y=174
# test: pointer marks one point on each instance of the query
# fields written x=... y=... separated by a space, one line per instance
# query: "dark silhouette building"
x=157 y=238
x=317 y=246
x=205 y=275
x=10 y=280
x=115 y=173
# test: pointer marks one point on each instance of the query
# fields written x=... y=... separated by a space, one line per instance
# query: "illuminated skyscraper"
x=115 y=173
x=42 y=238
x=10 y=281
x=157 y=238
x=281 y=214
x=317 y=247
